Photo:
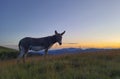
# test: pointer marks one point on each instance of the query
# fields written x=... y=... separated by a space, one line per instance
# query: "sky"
x=88 y=23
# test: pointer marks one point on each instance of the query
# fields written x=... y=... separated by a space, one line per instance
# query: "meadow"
x=91 y=65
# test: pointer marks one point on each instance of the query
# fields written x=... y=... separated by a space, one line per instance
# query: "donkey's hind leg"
x=22 y=52
x=25 y=55
x=20 y=56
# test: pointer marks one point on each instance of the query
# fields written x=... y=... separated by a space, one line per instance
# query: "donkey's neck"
x=53 y=39
x=50 y=41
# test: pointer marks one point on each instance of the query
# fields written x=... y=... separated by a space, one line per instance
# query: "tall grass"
x=98 y=65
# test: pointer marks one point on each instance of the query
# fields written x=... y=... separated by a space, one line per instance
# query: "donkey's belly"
x=36 y=48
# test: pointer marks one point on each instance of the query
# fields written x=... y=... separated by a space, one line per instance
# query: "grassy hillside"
x=5 y=49
x=7 y=53
x=97 y=65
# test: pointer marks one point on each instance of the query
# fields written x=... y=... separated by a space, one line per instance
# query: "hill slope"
x=5 y=49
x=97 y=65
x=7 y=53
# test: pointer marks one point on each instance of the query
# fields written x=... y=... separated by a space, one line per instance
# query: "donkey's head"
x=59 y=37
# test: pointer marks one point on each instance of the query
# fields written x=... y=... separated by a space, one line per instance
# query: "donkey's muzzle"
x=60 y=43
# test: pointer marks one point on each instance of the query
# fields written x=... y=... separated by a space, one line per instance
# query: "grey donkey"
x=38 y=44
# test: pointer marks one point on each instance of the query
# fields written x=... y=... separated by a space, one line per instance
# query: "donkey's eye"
x=59 y=38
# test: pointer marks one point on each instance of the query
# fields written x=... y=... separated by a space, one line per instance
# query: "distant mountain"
x=66 y=51
x=55 y=51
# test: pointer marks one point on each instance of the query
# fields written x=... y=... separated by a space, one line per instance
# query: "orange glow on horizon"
x=90 y=45
x=101 y=45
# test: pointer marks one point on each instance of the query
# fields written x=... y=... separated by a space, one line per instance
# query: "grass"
x=92 y=65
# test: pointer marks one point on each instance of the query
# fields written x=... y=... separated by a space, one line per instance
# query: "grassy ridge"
x=97 y=65
x=7 y=53
x=5 y=49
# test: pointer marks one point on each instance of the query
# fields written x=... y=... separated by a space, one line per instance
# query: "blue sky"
x=87 y=22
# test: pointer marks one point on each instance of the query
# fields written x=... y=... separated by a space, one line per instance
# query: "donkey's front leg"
x=46 y=52
x=45 y=55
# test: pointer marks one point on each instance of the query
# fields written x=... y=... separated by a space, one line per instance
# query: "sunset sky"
x=88 y=23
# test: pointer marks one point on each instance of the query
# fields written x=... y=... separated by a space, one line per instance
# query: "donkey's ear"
x=56 y=32
x=62 y=33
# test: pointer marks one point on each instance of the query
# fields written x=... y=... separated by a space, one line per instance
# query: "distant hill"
x=67 y=51
x=7 y=53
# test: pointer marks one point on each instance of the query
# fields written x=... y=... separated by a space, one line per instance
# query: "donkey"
x=37 y=44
